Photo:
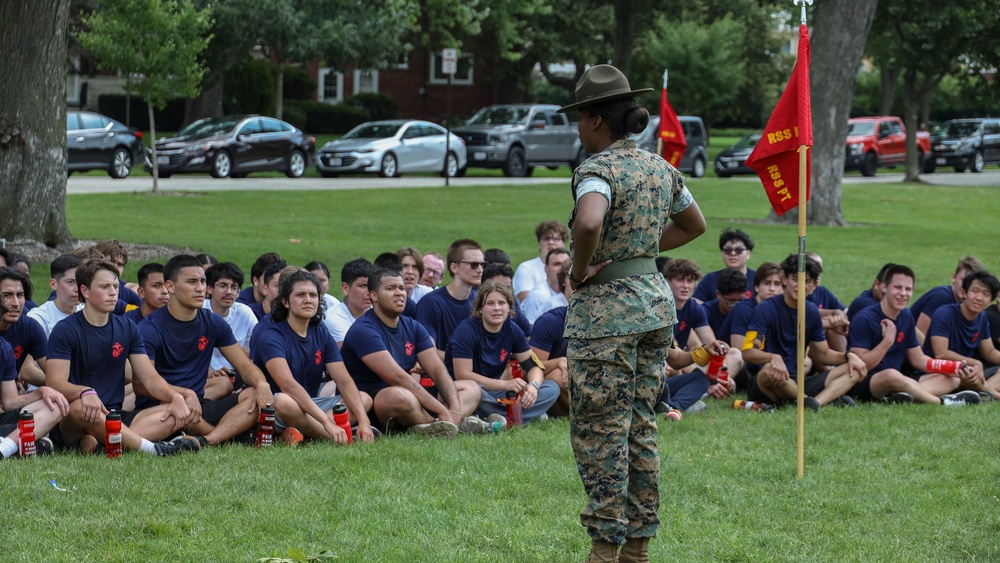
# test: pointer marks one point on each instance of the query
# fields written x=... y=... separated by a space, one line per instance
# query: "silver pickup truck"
x=517 y=138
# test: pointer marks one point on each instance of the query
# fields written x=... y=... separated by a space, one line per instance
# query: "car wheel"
x=461 y=172
x=515 y=167
x=699 y=168
x=121 y=164
x=238 y=175
x=328 y=174
x=450 y=166
x=978 y=162
x=929 y=165
x=869 y=165
x=959 y=168
x=222 y=165
x=390 y=168
x=296 y=165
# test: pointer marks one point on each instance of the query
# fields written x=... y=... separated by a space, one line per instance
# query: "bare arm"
x=282 y=374
x=32 y=373
x=383 y=364
x=250 y=373
x=463 y=370
x=872 y=357
x=184 y=407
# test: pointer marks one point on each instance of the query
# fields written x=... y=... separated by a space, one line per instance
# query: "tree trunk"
x=838 y=40
x=916 y=97
x=624 y=35
x=890 y=77
x=152 y=143
x=33 y=121
x=209 y=102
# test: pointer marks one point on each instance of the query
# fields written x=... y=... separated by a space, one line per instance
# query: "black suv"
x=966 y=144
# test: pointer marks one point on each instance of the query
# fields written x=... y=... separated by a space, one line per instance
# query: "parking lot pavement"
x=144 y=183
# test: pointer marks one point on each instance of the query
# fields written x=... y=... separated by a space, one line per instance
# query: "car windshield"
x=500 y=115
x=209 y=127
x=861 y=128
x=747 y=142
x=961 y=128
x=373 y=131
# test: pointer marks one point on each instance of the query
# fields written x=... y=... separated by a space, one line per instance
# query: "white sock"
x=147 y=447
x=8 y=447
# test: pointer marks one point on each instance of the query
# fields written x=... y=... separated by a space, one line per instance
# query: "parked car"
x=517 y=138
x=695 y=159
x=391 y=148
x=966 y=144
x=97 y=142
x=881 y=141
x=732 y=160
x=233 y=146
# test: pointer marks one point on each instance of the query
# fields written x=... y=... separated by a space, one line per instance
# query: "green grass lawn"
x=900 y=483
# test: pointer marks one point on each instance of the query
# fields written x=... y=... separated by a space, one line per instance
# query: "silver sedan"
x=391 y=148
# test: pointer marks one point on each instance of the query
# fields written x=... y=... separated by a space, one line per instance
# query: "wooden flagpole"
x=801 y=305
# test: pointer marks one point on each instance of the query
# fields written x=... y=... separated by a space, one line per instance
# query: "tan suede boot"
x=635 y=550
x=602 y=552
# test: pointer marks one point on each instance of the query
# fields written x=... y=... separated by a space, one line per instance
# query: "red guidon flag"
x=776 y=159
x=671 y=132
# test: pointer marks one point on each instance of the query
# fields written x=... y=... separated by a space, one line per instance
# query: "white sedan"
x=392 y=148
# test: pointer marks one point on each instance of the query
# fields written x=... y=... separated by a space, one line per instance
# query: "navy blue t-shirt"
x=862 y=302
x=690 y=317
x=777 y=325
x=182 y=350
x=97 y=354
x=715 y=317
x=489 y=352
x=246 y=296
x=932 y=300
x=866 y=332
x=963 y=335
x=135 y=315
x=411 y=308
x=258 y=310
x=710 y=284
x=737 y=320
x=547 y=334
x=521 y=320
x=823 y=298
x=369 y=335
x=440 y=313
x=306 y=357
x=26 y=337
x=8 y=367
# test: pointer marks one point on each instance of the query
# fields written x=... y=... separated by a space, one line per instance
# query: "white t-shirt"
x=529 y=275
x=47 y=315
x=420 y=291
x=532 y=306
x=242 y=320
x=330 y=301
x=338 y=320
x=554 y=302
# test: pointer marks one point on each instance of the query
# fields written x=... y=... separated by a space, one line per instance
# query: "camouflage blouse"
x=645 y=191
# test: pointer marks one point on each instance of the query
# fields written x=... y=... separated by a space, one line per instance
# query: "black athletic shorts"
x=213 y=411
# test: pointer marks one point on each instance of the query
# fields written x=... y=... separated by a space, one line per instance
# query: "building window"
x=331 y=86
x=403 y=62
x=365 y=81
x=463 y=76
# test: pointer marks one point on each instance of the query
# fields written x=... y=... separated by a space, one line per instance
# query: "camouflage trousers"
x=614 y=383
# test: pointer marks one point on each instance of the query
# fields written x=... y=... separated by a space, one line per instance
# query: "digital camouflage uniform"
x=618 y=336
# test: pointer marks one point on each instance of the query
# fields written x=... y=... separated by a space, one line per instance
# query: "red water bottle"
x=715 y=366
x=723 y=376
x=342 y=419
x=265 y=426
x=515 y=369
x=113 y=434
x=428 y=384
x=26 y=433
x=514 y=415
x=947 y=367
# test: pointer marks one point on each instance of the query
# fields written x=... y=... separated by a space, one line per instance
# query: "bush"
x=295 y=114
x=170 y=118
x=377 y=106
x=336 y=119
x=298 y=85
x=250 y=87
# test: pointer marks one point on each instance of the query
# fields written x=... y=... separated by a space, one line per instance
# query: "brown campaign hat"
x=602 y=83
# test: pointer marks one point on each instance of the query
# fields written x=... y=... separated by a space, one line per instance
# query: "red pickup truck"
x=881 y=141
